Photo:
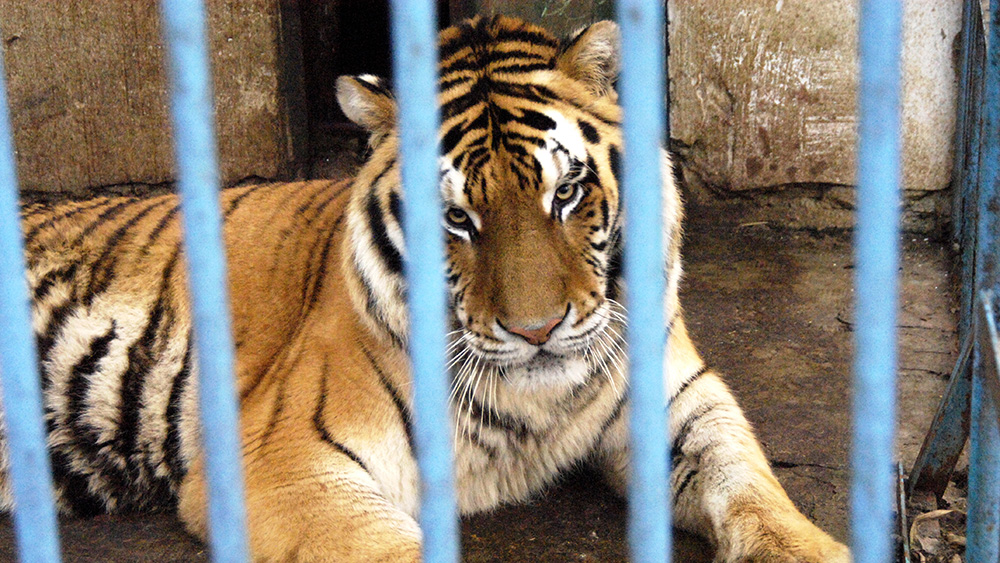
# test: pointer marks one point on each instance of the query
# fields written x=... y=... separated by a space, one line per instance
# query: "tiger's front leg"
x=721 y=484
x=300 y=514
x=311 y=489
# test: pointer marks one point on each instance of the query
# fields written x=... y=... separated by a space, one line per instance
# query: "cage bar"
x=642 y=99
x=983 y=524
x=198 y=183
x=35 y=516
x=876 y=250
x=414 y=43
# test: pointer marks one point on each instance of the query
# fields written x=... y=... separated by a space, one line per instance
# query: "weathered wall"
x=763 y=97
x=88 y=92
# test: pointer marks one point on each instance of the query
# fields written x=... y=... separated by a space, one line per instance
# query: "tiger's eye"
x=457 y=216
x=566 y=192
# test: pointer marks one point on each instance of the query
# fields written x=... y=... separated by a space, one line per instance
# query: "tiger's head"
x=530 y=144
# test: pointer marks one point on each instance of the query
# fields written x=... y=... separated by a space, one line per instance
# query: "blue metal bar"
x=30 y=474
x=414 y=47
x=971 y=93
x=983 y=534
x=642 y=99
x=989 y=349
x=198 y=182
x=877 y=260
x=983 y=523
x=948 y=432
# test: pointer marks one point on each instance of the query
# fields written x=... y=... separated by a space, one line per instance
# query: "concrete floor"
x=771 y=309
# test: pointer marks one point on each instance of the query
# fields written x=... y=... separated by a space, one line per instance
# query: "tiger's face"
x=531 y=208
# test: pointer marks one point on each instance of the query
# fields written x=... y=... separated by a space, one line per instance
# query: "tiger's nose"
x=538 y=333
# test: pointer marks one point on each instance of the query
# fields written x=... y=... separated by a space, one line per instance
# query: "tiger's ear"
x=367 y=101
x=592 y=55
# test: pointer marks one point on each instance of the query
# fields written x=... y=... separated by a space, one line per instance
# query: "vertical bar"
x=984 y=461
x=974 y=44
x=642 y=100
x=983 y=534
x=198 y=182
x=877 y=260
x=30 y=474
x=414 y=70
x=948 y=433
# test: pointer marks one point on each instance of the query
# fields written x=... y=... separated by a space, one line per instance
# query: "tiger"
x=530 y=146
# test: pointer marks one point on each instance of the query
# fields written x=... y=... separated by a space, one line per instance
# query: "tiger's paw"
x=759 y=536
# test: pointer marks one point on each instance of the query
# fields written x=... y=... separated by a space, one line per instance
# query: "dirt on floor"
x=771 y=309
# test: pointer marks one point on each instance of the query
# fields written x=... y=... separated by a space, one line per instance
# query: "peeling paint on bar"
x=983 y=534
x=198 y=183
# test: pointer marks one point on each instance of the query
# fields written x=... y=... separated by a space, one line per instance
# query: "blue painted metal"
x=989 y=349
x=949 y=430
x=642 y=94
x=198 y=183
x=877 y=260
x=966 y=174
x=983 y=532
x=983 y=523
x=35 y=517
x=415 y=73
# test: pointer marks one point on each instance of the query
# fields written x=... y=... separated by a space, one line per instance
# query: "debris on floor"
x=937 y=526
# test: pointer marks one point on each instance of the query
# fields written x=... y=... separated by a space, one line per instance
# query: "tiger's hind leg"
x=320 y=512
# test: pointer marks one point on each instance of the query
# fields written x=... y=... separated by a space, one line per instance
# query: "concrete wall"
x=88 y=92
x=763 y=95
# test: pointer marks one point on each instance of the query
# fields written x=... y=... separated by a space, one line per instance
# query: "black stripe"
x=375 y=87
x=101 y=271
x=51 y=221
x=496 y=419
x=541 y=38
x=516 y=56
x=374 y=310
x=376 y=223
x=589 y=132
x=450 y=139
x=57 y=320
x=81 y=377
x=236 y=201
x=701 y=371
x=154 y=235
x=172 y=441
x=523 y=67
x=105 y=216
x=395 y=207
x=50 y=279
x=141 y=360
x=681 y=437
x=691 y=473
x=616 y=413
x=74 y=488
x=320 y=427
x=397 y=399
x=614 y=159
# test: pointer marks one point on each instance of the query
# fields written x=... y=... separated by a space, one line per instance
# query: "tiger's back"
x=110 y=313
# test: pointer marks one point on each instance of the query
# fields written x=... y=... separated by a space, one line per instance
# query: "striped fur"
x=532 y=216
